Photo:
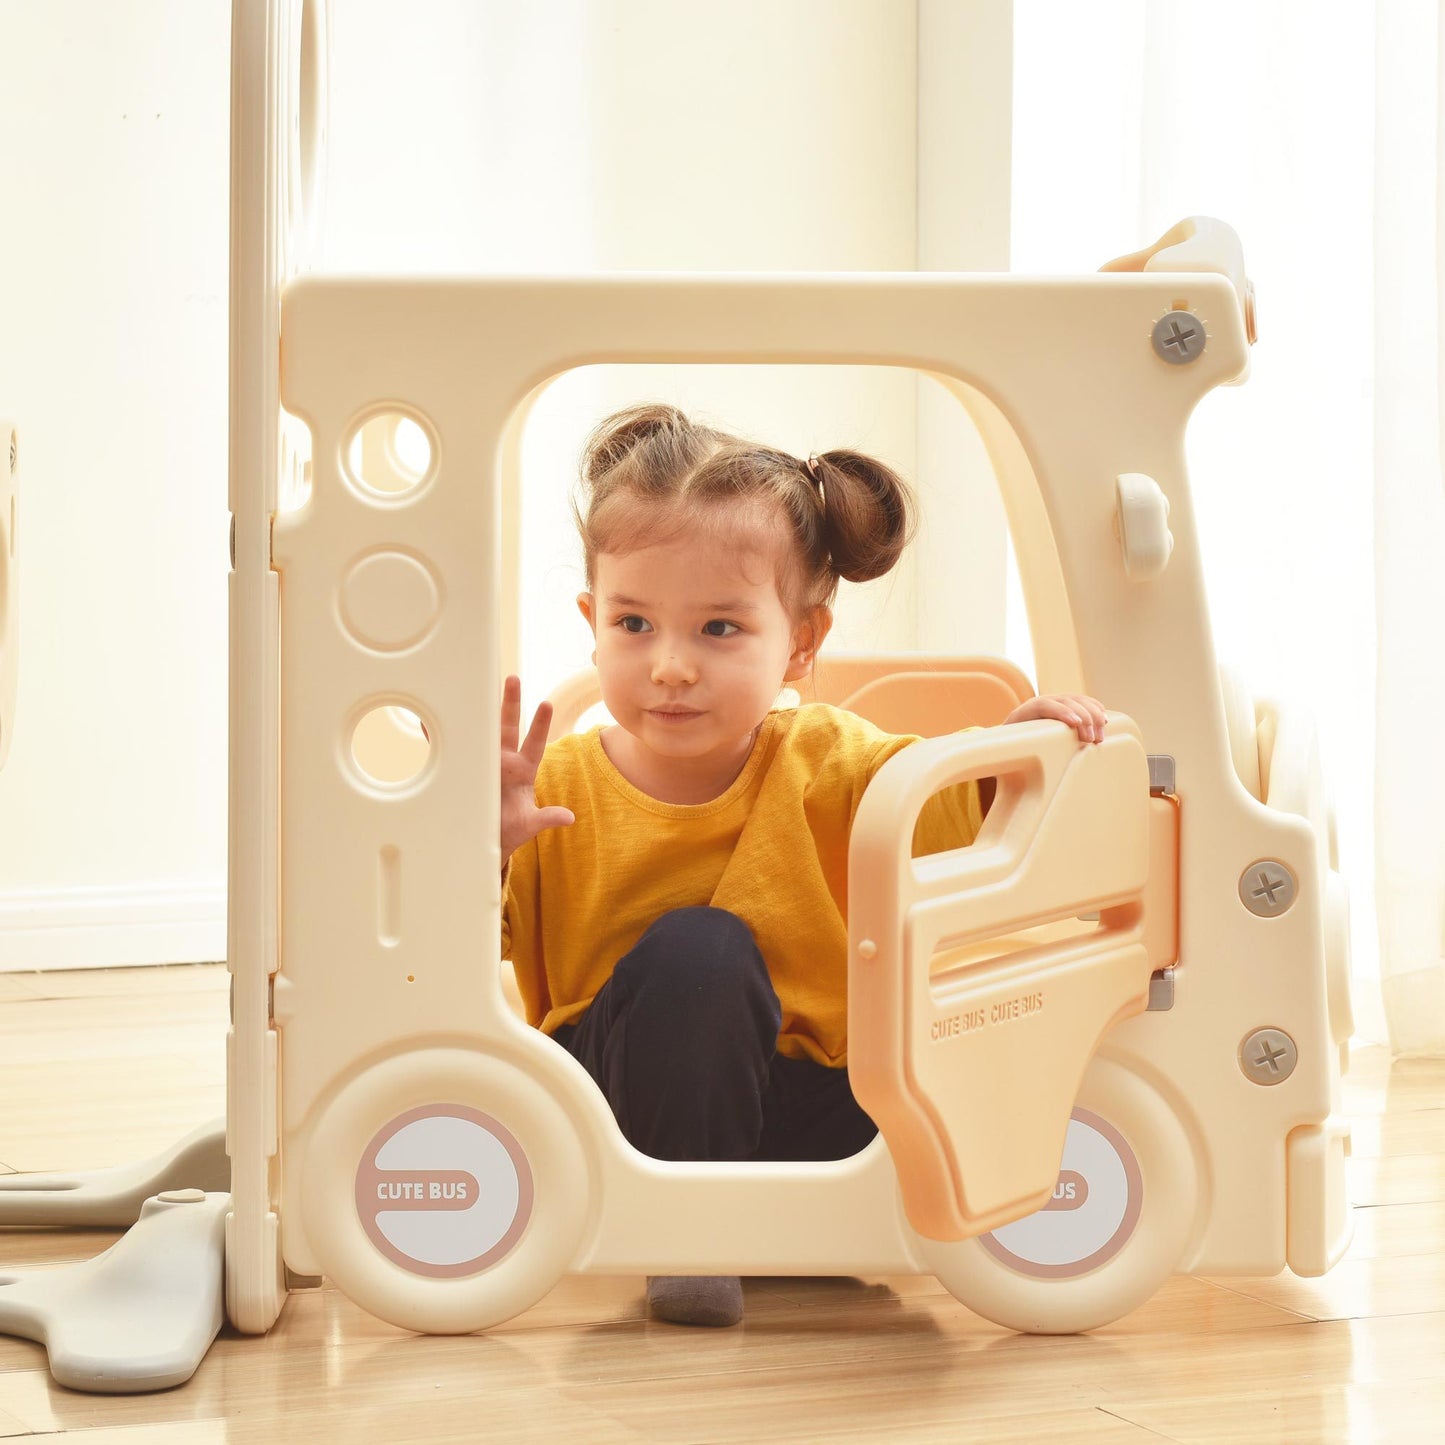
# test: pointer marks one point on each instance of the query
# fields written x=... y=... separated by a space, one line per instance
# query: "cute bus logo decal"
x=1095 y=1207
x=444 y=1191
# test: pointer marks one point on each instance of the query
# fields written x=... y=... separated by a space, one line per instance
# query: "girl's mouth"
x=673 y=717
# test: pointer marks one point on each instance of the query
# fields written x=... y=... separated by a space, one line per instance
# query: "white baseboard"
x=112 y=927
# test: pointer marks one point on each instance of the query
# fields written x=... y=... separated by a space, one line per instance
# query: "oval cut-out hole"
x=389 y=453
x=390 y=746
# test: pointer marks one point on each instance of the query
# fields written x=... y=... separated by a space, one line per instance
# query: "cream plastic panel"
x=940 y=1017
x=1320 y=1226
x=9 y=581
x=390 y=894
x=278 y=124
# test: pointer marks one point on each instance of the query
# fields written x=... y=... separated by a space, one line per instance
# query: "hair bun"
x=622 y=433
x=867 y=514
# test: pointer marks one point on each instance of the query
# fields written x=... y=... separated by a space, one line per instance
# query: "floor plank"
x=1397 y=1179
x=124 y=982
x=1398 y=1229
x=1376 y=1136
x=1391 y=1285
x=62 y=1115
x=1357 y=1414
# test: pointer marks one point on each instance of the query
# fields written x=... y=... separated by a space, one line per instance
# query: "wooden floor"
x=100 y=1068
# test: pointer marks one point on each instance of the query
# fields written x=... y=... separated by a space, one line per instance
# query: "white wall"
x=475 y=135
x=113 y=156
x=965 y=87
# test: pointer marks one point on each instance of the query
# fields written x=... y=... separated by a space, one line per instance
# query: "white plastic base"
x=112 y=1197
x=142 y=1315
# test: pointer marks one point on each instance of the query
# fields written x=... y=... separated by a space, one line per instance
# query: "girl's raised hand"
x=522 y=819
x=1084 y=714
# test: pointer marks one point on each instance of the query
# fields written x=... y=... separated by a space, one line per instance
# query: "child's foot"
x=696 y=1299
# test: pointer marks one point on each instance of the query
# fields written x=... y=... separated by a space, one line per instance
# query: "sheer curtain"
x=1409 y=497
x=1129 y=116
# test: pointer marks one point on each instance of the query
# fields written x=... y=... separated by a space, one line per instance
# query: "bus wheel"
x=1122 y=1216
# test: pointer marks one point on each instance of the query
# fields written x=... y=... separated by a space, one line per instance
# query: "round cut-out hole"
x=390 y=454
x=390 y=745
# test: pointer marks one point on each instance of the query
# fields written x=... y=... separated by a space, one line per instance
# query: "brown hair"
x=648 y=473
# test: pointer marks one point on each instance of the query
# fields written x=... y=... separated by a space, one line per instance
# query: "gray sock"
x=696 y=1299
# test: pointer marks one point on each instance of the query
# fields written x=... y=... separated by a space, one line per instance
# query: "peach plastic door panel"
x=926 y=695
x=979 y=987
x=898 y=692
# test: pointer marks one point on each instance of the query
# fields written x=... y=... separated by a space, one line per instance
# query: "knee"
x=705 y=931
x=701 y=953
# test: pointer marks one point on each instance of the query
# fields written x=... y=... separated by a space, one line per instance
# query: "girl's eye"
x=625 y=623
x=718 y=622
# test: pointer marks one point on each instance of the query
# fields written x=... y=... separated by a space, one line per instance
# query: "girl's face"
x=693 y=645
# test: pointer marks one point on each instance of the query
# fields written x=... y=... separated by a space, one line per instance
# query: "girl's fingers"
x=1079 y=717
x=1094 y=710
x=536 y=742
x=555 y=818
x=1086 y=715
x=1067 y=710
x=511 y=712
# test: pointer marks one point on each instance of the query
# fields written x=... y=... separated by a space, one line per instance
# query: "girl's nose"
x=671 y=667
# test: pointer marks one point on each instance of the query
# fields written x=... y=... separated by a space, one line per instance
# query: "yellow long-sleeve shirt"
x=772 y=849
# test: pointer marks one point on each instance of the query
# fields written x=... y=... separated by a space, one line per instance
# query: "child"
x=675 y=886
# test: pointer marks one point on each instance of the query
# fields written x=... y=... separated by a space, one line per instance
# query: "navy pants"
x=682 y=1040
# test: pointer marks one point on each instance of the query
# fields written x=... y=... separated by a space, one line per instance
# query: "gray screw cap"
x=1179 y=337
x=1267 y=888
x=1268 y=1056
